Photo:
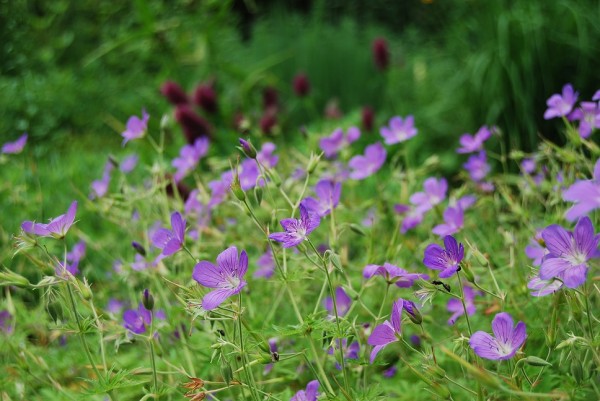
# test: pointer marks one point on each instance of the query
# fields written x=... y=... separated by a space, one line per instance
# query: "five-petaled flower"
x=399 y=130
x=508 y=339
x=569 y=252
x=136 y=127
x=227 y=277
x=446 y=260
x=561 y=105
x=364 y=166
x=56 y=228
x=310 y=394
x=137 y=320
x=585 y=194
x=296 y=230
x=474 y=143
x=332 y=144
x=328 y=197
x=170 y=241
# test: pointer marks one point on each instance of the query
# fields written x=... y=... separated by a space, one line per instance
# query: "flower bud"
x=174 y=93
x=535 y=361
x=466 y=270
x=358 y=229
x=236 y=188
x=258 y=194
x=8 y=277
x=413 y=312
x=312 y=163
x=148 y=300
x=226 y=372
x=139 y=248
x=301 y=85
x=577 y=370
x=381 y=54
x=205 y=96
x=368 y=117
x=248 y=149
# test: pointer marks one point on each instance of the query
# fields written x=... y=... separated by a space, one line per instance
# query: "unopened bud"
x=236 y=188
x=413 y=313
x=226 y=372
x=139 y=248
x=466 y=270
x=148 y=300
x=258 y=194
x=577 y=370
x=358 y=229
x=248 y=149
x=8 y=277
x=312 y=163
x=535 y=361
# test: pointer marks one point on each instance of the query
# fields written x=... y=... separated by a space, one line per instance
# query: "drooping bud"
x=193 y=125
x=139 y=248
x=205 y=96
x=381 y=54
x=248 y=149
x=368 y=118
x=413 y=312
x=148 y=300
x=174 y=93
x=301 y=85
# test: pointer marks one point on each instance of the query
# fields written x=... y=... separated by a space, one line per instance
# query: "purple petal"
x=502 y=326
x=382 y=334
x=575 y=276
x=485 y=345
x=215 y=298
x=553 y=267
x=557 y=239
x=208 y=274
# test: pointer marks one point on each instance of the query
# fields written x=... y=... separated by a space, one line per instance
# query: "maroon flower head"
x=270 y=98
x=368 y=118
x=174 y=93
x=193 y=125
x=268 y=121
x=381 y=53
x=301 y=85
x=205 y=96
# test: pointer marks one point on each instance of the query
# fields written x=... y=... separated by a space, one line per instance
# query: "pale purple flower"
x=528 y=165
x=477 y=166
x=189 y=156
x=561 y=105
x=596 y=95
x=227 y=277
x=393 y=274
x=328 y=197
x=137 y=320
x=73 y=259
x=535 y=251
x=399 y=130
x=446 y=260
x=140 y=263
x=114 y=306
x=434 y=193
x=220 y=188
x=585 y=194
x=296 y=230
x=342 y=302
x=332 y=144
x=350 y=351
x=588 y=115
x=170 y=241
x=508 y=339
x=266 y=155
x=6 y=322
x=454 y=219
x=474 y=143
x=369 y=218
x=364 y=166
x=248 y=173
x=387 y=332
x=310 y=394
x=412 y=217
x=15 y=146
x=266 y=265
x=136 y=127
x=100 y=187
x=128 y=163
x=455 y=306
x=569 y=252
x=56 y=228
x=464 y=202
x=391 y=372
x=541 y=288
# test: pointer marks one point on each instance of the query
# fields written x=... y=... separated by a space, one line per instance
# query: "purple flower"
x=569 y=252
x=585 y=194
x=399 y=130
x=541 y=288
x=391 y=372
x=137 y=320
x=588 y=115
x=227 y=277
x=435 y=192
x=170 y=241
x=136 y=127
x=266 y=265
x=446 y=260
x=559 y=106
x=248 y=173
x=412 y=217
x=393 y=274
x=508 y=339
x=477 y=166
x=100 y=187
x=139 y=263
x=273 y=348
x=342 y=302
x=528 y=165
x=220 y=188
x=535 y=251
x=16 y=146
x=189 y=156
x=454 y=219
x=296 y=230
x=474 y=143
x=332 y=144
x=387 y=332
x=365 y=166
x=455 y=305
x=311 y=393
x=56 y=228
x=73 y=259
x=328 y=193
x=6 y=322
x=350 y=351
x=266 y=155
x=114 y=306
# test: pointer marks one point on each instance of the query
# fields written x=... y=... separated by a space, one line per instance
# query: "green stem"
x=462 y=301
x=152 y=358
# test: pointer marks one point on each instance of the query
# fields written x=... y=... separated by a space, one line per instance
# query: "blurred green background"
x=81 y=68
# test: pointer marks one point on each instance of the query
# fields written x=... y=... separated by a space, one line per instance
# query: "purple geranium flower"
x=350 y=351
x=588 y=114
x=585 y=194
x=508 y=339
x=569 y=252
x=189 y=156
x=541 y=288
x=434 y=193
x=6 y=322
x=328 y=194
x=73 y=259
x=343 y=302
x=114 y=306
x=220 y=188
x=56 y=228
x=15 y=146
x=365 y=166
x=100 y=187
x=128 y=163
x=393 y=274
x=266 y=265
x=559 y=106
x=455 y=306
x=528 y=165
x=136 y=127
x=170 y=241
x=477 y=166
x=474 y=143
x=446 y=260
x=296 y=230
x=399 y=130
x=248 y=173
x=227 y=277
x=412 y=217
x=332 y=144
x=137 y=320
x=535 y=251
x=454 y=220
x=266 y=155
x=310 y=394
x=387 y=332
